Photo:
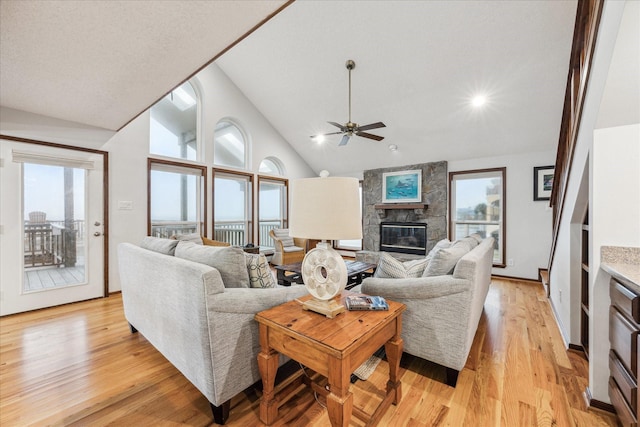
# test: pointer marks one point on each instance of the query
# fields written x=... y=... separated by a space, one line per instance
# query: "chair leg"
x=452 y=377
x=221 y=413
x=132 y=328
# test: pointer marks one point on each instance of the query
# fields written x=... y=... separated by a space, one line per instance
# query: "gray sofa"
x=442 y=311
x=204 y=327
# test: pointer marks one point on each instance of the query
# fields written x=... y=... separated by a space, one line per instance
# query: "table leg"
x=268 y=365
x=339 y=399
x=280 y=276
x=393 y=348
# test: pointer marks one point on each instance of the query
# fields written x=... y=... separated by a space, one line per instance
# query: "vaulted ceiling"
x=101 y=63
x=418 y=66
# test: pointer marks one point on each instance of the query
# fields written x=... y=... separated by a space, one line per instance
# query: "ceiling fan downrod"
x=350 y=66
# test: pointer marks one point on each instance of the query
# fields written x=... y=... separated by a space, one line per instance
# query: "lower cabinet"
x=624 y=358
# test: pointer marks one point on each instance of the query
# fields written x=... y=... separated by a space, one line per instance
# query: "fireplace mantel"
x=418 y=208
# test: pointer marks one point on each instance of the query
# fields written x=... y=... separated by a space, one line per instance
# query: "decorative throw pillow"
x=283 y=235
x=191 y=237
x=259 y=272
x=444 y=260
x=160 y=245
x=228 y=260
x=391 y=268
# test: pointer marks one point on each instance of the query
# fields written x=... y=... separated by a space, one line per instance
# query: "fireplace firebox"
x=404 y=237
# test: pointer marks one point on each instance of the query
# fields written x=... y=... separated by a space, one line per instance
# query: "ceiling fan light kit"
x=350 y=128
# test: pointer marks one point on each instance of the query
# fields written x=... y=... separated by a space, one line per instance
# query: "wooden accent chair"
x=288 y=250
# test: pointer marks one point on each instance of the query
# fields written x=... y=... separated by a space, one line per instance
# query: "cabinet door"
x=625 y=300
x=623 y=336
x=625 y=415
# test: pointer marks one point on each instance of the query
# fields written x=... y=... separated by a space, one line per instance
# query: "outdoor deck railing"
x=44 y=245
x=232 y=232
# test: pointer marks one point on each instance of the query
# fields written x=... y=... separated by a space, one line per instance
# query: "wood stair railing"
x=584 y=41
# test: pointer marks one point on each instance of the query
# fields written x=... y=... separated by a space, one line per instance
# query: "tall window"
x=229 y=145
x=232 y=210
x=272 y=208
x=177 y=193
x=352 y=245
x=173 y=124
x=478 y=205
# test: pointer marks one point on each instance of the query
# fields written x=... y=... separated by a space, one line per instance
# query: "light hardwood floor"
x=79 y=365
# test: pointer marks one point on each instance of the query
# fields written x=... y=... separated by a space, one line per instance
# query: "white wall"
x=528 y=223
x=129 y=150
x=614 y=218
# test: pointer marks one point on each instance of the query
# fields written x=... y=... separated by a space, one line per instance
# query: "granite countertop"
x=621 y=262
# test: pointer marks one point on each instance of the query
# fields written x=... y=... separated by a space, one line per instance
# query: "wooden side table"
x=334 y=348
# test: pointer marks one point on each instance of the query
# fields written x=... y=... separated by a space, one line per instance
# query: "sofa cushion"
x=476 y=236
x=160 y=245
x=259 y=272
x=442 y=244
x=444 y=260
x=283 y=235
x=228 y=260
x=391 y=268
x=191 y=237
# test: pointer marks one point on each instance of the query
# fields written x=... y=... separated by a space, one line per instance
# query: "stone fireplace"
x=431 y=211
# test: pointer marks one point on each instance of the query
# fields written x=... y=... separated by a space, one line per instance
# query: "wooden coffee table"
x=289 y=274
x=333 y=348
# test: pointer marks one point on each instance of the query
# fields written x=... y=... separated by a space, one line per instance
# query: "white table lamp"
x=326 y=208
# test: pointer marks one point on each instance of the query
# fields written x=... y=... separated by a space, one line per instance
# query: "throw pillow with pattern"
x=391 y=268
x=259 y=272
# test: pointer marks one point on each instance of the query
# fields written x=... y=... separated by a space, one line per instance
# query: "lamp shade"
x=325 y=209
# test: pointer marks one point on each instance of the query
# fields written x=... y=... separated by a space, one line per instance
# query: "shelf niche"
x=418 y=208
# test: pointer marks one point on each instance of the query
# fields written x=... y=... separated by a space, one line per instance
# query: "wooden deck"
x=51 y=277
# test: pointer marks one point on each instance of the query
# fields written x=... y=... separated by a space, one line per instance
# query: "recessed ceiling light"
x=479 y=100
x=393 y=147
x=319 y=138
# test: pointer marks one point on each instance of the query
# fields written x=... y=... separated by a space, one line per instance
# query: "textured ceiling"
x=418 y=63
x=101 y=63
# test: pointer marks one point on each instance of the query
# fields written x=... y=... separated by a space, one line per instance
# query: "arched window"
x=174 y=123
x=229 y=145
x=271 y=166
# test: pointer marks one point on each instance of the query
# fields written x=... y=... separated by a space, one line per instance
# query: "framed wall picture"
x=542 y=182
x=402 y=186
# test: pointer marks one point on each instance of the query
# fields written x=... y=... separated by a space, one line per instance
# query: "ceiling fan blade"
x=344 y=140
x=338 y=125
x=372 y=126
x=370 y=136
x=326 y=134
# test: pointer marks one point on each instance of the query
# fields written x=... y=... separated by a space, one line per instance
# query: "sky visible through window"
x=472 y=192
x=44 y=191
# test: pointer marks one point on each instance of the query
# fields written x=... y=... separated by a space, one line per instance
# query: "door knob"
x=97 y=233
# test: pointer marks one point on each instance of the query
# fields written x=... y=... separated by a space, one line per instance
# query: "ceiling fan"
x=350 y=129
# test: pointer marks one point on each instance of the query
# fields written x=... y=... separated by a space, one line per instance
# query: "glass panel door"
x=54 y=224
x=232 y=208
x=52 y=213
x=272 y=204
x=176 y=198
